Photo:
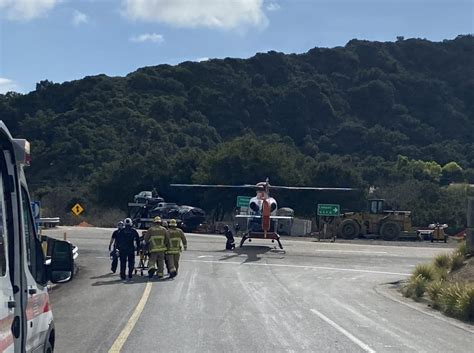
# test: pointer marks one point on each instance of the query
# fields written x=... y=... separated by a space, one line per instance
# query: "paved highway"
x=311 y=297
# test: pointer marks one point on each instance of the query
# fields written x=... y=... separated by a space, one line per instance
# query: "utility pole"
x=470 y=225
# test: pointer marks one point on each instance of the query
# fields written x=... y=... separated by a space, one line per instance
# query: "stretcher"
x=143 y=256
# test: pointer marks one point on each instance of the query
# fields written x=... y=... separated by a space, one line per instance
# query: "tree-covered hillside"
x=397 y=115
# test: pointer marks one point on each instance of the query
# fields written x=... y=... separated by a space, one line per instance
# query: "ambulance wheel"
x=48 y=348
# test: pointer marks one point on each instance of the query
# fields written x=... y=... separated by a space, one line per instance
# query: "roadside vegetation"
x=395 y=115
x=447 y=283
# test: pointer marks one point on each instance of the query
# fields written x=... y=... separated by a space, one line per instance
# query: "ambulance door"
x=6 y=289
x=38 y=313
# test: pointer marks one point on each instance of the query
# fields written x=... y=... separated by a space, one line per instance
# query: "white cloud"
x=148 y=37
x=273 y=6
x=7 y=85
x=25 y=10
x=222 y=14
x=202 y=59
x=79 y=18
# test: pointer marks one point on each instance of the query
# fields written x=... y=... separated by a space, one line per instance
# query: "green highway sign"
x=328 y=210
x=243 y=201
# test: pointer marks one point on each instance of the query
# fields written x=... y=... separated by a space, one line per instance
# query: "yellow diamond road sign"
x=77 y=209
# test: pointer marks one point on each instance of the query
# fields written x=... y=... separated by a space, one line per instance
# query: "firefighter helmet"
x=173 y=223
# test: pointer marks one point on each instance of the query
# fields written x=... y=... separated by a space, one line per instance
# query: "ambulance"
x=26 y=320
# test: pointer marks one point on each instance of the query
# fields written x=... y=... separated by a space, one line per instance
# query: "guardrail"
x=49 y=222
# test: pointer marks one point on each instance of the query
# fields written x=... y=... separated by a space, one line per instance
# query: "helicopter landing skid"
x=247 y=236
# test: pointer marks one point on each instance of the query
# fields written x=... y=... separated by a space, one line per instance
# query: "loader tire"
x=349 y=229
x=390 y=231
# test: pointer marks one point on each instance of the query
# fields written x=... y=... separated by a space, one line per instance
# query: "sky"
x=64 y=40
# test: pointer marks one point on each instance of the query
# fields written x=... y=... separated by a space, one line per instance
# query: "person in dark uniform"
x=113 y=247
x=127 y=241
x=230 y=244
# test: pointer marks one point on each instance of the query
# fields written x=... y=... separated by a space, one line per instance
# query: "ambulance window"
x=3 y=253
x=34 y=253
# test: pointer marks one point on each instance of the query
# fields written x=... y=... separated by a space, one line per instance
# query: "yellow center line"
x=122 y=337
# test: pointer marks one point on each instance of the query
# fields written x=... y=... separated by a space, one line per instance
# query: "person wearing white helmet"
x=127 y=241
x=158 y=242
x=113 y=247
x=176 y=237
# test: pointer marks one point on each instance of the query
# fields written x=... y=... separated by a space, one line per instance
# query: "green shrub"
x=434 y=290
x=416 y=287
x=449 y=297
x=457 y=260
x=426 y=271
x=457 y=299
x=441 y=261
x=465 y=303
x=462 y=249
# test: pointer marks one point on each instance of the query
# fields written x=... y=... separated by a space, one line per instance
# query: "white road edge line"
x=122 y=337
x=346 y=333
x=223 y=262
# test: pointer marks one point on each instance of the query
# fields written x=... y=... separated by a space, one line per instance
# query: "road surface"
x=311 y=297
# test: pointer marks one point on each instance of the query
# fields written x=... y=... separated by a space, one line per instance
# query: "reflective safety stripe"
x=175 y=245
x=157 y=243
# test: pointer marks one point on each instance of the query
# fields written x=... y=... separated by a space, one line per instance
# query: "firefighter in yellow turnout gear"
x=176 y=237
x=157 y=239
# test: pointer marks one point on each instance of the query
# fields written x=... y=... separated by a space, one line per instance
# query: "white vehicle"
x=26 y=320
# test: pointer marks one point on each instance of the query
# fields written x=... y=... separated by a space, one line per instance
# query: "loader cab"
x=25 y=312
x=376 y=206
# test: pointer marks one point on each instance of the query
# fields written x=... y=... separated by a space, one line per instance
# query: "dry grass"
x=452 y=295
x=448 y=298
x=457 y=260
x=465 y=303
x=441 y=266
x=457 y=299
x=441 y=261
x=98 y=217
x=425 y=271
x=106 y=217
x=434 y=291
x=416 y=287
x=462 y=248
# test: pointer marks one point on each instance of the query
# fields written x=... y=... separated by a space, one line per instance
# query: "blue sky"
x=63 y=40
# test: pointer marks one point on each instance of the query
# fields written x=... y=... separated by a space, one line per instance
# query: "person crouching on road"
x=127 y=241
x=113 y=247
x=158 y=242
x=230 y=244
x=176 y=237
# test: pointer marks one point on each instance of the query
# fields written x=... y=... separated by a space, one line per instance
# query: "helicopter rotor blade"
x=277 y=187
x=245 y=186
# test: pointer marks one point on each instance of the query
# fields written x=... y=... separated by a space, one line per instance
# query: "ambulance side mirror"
x=61 y=267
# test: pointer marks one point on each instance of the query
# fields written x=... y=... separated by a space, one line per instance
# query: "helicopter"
x=261 y=222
